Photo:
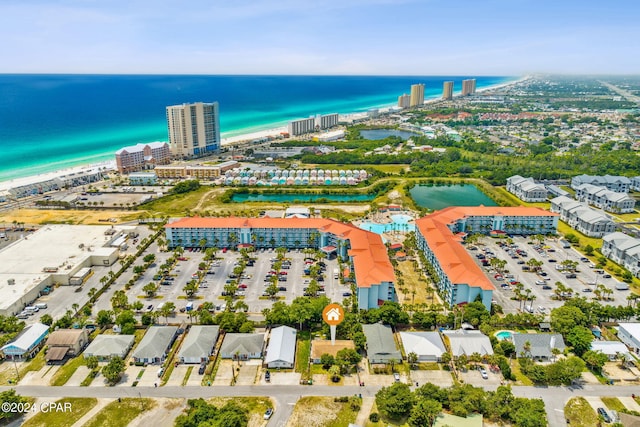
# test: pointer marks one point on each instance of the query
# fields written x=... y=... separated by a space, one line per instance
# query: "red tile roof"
x=370 y=260
x=455 y=261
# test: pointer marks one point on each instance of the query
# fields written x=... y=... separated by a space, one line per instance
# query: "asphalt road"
x=285 y=396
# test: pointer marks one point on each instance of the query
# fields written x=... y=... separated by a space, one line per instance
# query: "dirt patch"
x=314 y=412
x=43 y=216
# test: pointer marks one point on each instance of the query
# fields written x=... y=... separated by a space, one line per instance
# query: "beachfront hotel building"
x=468 y=87
x=312 y=124
x=417 y=95
x=194 y=129
x=142 y=156
x=404 y=101
x=439 y=236
x=447 y=90
x=367 y=254
x=326 y=121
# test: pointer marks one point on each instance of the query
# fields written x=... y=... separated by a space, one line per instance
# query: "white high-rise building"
x=326 y=121
x=404 y=101
x=194 y=129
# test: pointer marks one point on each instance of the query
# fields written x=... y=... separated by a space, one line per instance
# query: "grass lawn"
x=255 y=405
x=120 y=414
x=384 y=422
x=521 y=378
x=613 y=403
x=67 y=370
x=580 y=413
x=79 y=407
x=322 y=411
x=303 y=353
x=415 y=286
x=187 y=375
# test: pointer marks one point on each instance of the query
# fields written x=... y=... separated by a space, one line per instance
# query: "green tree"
x=395 y=401
x=113 y=370
x=412 y=358
x=104 y=318
x=167 y=310
x=46 y=319
x=327 y=360
x=150 y=289
x=595 y=360
x=190 y=289
x=564 y=318
x=425 y=413
x=580 y=339
x=92 y=362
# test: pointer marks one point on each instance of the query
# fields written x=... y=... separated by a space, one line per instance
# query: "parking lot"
x=541 y=287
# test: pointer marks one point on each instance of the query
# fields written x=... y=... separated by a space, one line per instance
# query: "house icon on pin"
x=333 y=315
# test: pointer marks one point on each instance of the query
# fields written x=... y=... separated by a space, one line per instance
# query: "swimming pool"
x=504 y=335
x=400 y=223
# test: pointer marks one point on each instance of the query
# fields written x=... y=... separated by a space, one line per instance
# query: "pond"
x=440 y=196
x=300 y=197
x=376 y=134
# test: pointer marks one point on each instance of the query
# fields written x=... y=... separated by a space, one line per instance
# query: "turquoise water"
x=399 y=223
x=376 y=134
x=49 y=122
x=504 y=335
x=299 y=198
x=441 y=196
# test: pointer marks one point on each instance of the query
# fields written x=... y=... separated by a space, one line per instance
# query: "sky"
x=336 y=37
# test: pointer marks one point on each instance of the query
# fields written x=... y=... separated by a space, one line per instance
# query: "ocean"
x=50 y=122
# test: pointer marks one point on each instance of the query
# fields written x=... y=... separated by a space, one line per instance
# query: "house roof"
x=199 y=342
x=320 y=347
x=56 y=353
x=28 y=337
x=632 y=329
x=423 y=343
x=155 y=342
x=242 y=343
x=370 y=260
x=380 y=342
x=282 y=345
x=108 y=345
x=468 y=342
x=610 y=348
x=541 y=344
x=65 y=337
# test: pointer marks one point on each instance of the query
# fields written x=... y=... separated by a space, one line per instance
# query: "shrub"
x=374 y=417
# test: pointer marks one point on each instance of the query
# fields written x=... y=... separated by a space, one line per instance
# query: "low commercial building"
x=582 y=218
x=603 y=198
x=242 y=346
x=439 y=235
x=143 y=178
x=381 y=346
x=281 y=351
x=30 y=265
x=155 y=345
x=105 y=347
x=199 y=343
x=624 y=250
x=365 y=250
x=526 y=189
x=428 y=346
x=629 y=333
x=27 y=343
x=203 y=172
x=613 y=349
x=65 y=342
x=468 y=342
x=619 y=184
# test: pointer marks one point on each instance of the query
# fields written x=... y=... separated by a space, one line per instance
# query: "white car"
x=484 y=374
x=268 y=413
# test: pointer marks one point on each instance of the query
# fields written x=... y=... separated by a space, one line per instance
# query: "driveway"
x=440 y=378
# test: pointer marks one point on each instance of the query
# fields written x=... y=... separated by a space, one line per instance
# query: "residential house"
x=629 y=333
x=381 y=346
x=428 y=346
x=242 y=346
x=199 y=344
x=104 y=347
x=27 y=343
x=468 y=342
x=65 y=342
x=537 y=346
x=155 y=345
x=613 y=349
x=281 y=350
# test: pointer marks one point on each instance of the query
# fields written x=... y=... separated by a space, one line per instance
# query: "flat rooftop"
x=64 y=247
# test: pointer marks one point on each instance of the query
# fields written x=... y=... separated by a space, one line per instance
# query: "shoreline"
x=273 y=130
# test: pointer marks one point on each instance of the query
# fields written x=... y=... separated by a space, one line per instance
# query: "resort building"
x=404 y=101
x=526 y=189
x=194 y=129
x=302 y=126
x=439 y=235
x=365 y=250
x=582 y=218
x=195 y=171
x=447 y=90
x=143 y=178
x=619 y=184
x=326 y=121
x=142 y=156
x=468 y=87
x=624 y=250
x=603 y=198
x=417 y=95
x=53 y=181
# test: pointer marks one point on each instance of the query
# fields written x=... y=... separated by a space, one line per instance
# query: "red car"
x=242 y=286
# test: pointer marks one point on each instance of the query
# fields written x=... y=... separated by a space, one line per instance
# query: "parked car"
x=484 y=374
x=268 y=413
x=202 y=368
x=396 y=377
x=605 y=415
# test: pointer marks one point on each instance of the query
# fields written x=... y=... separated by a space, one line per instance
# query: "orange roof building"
x=439 y=235
x=373 y=271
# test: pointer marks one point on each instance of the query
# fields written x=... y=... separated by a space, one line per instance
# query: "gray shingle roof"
x=109 y=345
x=242 y=343
x=155 y=342
x=541 y=344
x=199 y=342
x=380 y=342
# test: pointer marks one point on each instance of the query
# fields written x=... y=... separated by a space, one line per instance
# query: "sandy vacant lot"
x=38 y=216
